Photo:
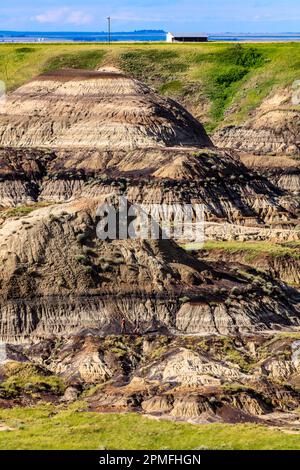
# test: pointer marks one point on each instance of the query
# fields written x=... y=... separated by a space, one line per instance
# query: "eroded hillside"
x=211 y=379
x=245 y=95
x=218 y=83
x=129 y=324
x=76 y=133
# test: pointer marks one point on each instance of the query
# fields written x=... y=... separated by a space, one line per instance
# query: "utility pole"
x=109 y=29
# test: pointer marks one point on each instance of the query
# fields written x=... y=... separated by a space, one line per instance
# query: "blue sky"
x=179 y=15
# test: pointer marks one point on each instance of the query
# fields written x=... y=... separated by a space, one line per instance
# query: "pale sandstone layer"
x=273 y=128
x=75 y=133
x=57 y=276
x=94 y=109
x=247 y=378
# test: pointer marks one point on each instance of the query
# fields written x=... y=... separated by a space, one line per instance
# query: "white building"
x=186 y=37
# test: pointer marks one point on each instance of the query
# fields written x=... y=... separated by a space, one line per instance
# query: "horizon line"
x=149 y=31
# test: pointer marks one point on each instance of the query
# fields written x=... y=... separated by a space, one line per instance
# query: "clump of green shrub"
x=82 y=259
x=81 y=237
x=232 y=65
x=29 y=378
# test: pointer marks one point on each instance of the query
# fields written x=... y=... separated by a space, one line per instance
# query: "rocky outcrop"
x=284 y=172
x=189 y=369
x=274 y=132
x=57 y=275
x=215 y=379
x=135 y=324
x=75 y=133
x=209 y=379
x=272 y=129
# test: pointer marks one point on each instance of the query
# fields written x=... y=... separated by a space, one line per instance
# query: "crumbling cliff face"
x=283 y=266
x=228 y=232
x=274 y=132
x=282 y=171
x=272 y=129
x=82 y=137
x=173 y=176
x=141 y=319
x=248 y=378
x=76 y=133
x=269 y=140
x=57 y=275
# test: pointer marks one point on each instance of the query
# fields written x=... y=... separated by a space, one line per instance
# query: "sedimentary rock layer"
x=75 y=133
x=249 y=378
x=272 y=129
x=56 y=275
x=94 y=109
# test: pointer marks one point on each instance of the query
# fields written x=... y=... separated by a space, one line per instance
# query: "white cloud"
x=78 y=17
x=48 y=16
x=63 y=16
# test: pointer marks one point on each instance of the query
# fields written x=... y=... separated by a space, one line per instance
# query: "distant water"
x=141 y=36
x=230 y=37
x=11 y=36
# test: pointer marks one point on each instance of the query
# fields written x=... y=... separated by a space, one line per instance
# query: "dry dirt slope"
x=252 y=378
x=57 y=276
x=71 y=133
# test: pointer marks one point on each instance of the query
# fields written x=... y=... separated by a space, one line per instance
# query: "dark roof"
x=188 y=35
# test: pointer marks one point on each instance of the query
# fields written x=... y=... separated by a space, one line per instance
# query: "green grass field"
x=219 y=82
x=47 y=428
x=250 y=250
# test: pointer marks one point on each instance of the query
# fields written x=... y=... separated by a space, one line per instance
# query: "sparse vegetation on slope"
x=30 y=379
x=49 y=429
x=216 y=81
x=253 y=249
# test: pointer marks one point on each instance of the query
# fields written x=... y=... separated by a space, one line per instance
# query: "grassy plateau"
x=219 y=83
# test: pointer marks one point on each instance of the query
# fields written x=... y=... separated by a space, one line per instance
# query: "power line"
x=109 y=28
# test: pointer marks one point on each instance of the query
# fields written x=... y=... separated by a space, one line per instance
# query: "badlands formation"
x=73 y=133
x=138 y=324
x=269 y=140
x=58 y=277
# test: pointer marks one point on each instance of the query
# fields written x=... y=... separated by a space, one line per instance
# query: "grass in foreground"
x=48 y=428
